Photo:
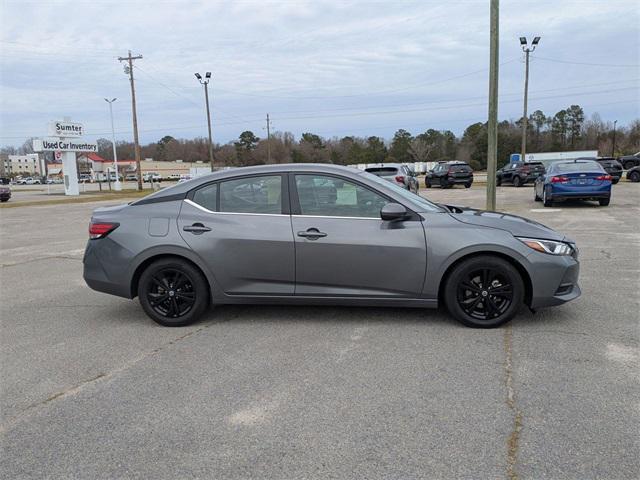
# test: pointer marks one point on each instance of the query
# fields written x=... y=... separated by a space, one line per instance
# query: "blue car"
x=577 y=179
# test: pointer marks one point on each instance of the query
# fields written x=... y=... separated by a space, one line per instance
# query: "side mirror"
x=393 y=211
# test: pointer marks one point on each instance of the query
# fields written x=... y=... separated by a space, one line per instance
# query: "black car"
x=447 y=174
x=519 y=173
x=5 y=193
x=610 y=165
x=630 y=161
x=633 y=174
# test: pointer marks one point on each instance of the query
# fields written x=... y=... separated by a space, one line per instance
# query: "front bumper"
x=554 y=279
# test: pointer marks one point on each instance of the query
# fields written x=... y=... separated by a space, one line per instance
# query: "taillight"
x=559 y=179
x=400 y=179
x=101 y=229
x=604 y=177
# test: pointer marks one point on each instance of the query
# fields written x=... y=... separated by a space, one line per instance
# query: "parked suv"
x=630 y=161
x=612 y=166
x=447 y=174
x=5 y=193
x=633 y=174
x=519 y=173
x=397 y=173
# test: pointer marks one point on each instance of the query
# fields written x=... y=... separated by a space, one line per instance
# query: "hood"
x=517 y=226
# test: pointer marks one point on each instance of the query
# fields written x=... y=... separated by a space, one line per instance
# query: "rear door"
x=343 y=248
x=241 y=228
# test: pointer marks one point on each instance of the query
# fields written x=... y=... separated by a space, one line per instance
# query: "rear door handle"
x=312 y=234
x=196 y=229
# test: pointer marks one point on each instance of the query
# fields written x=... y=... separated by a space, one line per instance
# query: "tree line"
x=566 y=130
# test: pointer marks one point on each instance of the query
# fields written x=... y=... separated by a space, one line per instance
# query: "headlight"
x=547 y=246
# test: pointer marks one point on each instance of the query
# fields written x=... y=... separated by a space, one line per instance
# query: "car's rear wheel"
x=427 y=183
x=615 y=180
x=604 y=202
x=484 y=292
x=467 y=185
x=517 y=182
x=444 y=183
x=536 y=198
x=634 y=176
x=173 y=292
x=547 y=201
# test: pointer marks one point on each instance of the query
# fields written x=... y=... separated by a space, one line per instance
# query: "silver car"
x=397 y=173
x=322 y=235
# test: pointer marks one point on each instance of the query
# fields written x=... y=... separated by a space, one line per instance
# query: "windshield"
x=413 y=197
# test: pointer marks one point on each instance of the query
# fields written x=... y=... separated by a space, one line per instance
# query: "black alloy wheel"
x=484 y=292
x=173 y=292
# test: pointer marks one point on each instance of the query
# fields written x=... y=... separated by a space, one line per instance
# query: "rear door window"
x=207 y=197
x=260 y=194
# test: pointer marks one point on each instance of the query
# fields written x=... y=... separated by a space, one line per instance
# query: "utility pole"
x=613 y=146
x=269 y=141
x=117 y=185
x=492 y=127
x=205 y=83
x=129 y=71
x=525 y=120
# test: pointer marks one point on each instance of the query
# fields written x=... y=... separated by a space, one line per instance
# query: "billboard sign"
x=66 y=129
x=64 y=145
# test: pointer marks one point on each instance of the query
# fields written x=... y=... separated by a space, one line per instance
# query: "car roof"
x=184 y=187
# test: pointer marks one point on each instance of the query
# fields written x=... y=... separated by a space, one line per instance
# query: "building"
x=96 y=166
x=24 y=165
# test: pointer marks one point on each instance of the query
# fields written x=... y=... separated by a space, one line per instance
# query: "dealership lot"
x=92 y=388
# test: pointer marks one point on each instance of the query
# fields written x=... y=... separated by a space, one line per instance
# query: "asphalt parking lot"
x=91 y=388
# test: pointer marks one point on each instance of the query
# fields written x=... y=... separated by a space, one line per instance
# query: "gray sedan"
x=322 y=235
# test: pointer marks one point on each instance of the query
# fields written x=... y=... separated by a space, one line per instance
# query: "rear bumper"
x=459 y=180
x=560 y=192
x=100 y=267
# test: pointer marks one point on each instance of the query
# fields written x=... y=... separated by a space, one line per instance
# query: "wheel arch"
x=524 y=274
x=152 y=257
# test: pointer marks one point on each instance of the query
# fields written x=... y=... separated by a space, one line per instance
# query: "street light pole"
x=205 y=83
x=527 y=50
x=117 y=186
x=613 y=146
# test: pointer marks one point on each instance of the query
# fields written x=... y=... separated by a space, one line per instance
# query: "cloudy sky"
x=330 y=67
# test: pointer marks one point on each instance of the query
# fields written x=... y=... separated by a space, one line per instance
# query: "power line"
x=585 y=63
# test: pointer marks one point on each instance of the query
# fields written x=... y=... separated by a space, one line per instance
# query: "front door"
x=343 y=248
x=239 y=228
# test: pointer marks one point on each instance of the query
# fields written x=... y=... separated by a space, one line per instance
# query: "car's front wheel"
x=173 y=292
x=484 y=292
x=517 y=182
x=634 y=176
x=547 y=201
x=604 y=202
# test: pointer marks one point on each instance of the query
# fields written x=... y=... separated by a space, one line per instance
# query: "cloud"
x=59 y=59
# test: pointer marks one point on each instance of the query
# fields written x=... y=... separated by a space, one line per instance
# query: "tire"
x=443 y=183
x=517 y=182
x=189 y=300
x=547 y=201
x=634 y=177
x=536 y=198
x=604 y=202
x=468 y=290
x=427 y=183
x=498 y=181
x=4 y=200
x=467 y=185
x=615 y=180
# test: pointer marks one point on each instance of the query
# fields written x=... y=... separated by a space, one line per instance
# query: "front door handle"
x=196 y=228
x=312 y=234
